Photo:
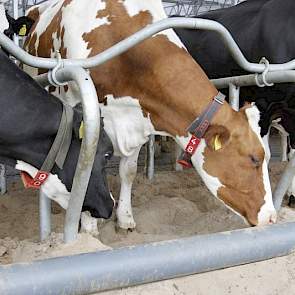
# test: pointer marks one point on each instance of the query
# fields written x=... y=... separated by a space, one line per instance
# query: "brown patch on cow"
x=34 y=13
x=46 y=37
x=152 y=66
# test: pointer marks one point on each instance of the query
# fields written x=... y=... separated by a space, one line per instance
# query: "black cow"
x=29 y=120
x=20 y=26
x=261 y=28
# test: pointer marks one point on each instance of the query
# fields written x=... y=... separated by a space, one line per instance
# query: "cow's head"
x=10 y=26
x=171 y=90
x=30 y=119
x=232 y=162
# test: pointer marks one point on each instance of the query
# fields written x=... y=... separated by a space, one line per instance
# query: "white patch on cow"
x=3 y=20
x=156 y=9
x=89 y=224
x=267 y=213
x=126 y=125
x=74 y=30
x=53 y=188
x=265 y=140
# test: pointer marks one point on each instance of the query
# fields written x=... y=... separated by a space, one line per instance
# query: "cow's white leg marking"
x=128 y=169
x=267 y=213
x=89 y=224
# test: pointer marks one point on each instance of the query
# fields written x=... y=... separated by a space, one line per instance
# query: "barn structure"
x=84 y=274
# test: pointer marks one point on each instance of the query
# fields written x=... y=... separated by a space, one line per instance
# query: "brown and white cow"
x=152 y=89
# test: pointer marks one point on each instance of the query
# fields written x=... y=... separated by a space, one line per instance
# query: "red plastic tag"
x=35 y=182
x=192 y=145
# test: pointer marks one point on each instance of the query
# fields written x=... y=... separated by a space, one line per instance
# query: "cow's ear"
x=23 y=25
x=217 y=137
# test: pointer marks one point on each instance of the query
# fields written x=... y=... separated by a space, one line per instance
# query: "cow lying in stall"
x=257 y=28
x=151 y=89
x=29 y=121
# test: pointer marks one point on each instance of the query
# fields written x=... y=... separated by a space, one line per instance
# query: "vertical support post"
x=234 y=96
x=2 y=180
x=178 y=152
x=15 y=16
x=151 y=157
x=44 y=215
x=284 y=183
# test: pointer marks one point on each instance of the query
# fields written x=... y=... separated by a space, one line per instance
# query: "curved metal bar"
x=91 y=120
x=129 y=266
x=123 y=46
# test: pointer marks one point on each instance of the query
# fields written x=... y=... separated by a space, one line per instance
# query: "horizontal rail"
x=93 y=272
x=149 y=31
x=249 y=80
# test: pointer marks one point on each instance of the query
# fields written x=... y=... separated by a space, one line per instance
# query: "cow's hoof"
x=291 y=202
x=126 y=224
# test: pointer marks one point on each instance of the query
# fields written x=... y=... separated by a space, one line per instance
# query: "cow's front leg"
x=128 y=169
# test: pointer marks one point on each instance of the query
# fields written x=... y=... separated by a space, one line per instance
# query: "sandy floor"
x=175 y=204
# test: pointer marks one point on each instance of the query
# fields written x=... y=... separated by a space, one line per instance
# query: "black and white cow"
x=29 y=120
x=261 y=28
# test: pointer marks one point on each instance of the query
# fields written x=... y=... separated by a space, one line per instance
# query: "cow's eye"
x=108 y=155
x=255 y=160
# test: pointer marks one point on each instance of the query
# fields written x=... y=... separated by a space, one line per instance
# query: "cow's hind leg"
x=128 y=169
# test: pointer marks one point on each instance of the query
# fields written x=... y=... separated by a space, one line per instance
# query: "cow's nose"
x=269 y=217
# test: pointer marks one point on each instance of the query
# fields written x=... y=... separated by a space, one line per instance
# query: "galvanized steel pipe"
x=93 y=272
x=249 y=80
x=2 y=179
x=91 y=120
x=44 y=215
x=284 y=183
x=149 y=31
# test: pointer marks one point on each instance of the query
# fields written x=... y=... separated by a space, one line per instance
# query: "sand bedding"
x=173 y=205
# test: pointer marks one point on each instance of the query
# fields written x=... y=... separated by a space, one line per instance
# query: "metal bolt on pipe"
x=91 y=120
x=129 y=266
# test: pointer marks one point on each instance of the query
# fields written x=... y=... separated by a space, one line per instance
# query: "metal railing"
x=87 y=273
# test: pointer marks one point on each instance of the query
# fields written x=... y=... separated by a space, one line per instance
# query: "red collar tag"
x=35 y=182
x=192 y=145
x=189 y=151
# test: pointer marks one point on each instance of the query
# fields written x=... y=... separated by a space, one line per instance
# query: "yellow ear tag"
x=217 y=143
x=23 y=30
x=81 y=130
